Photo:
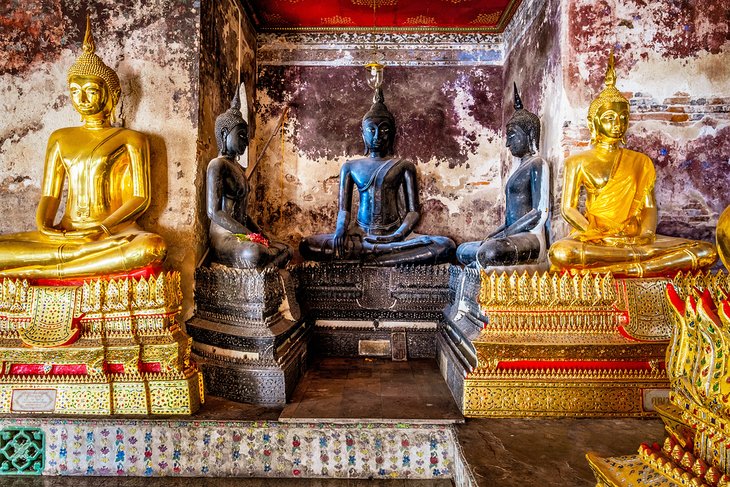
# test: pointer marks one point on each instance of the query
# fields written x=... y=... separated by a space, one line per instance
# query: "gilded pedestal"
x=96 y=346
x=554 y=345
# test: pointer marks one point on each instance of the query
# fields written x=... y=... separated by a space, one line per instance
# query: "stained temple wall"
x=445 y=92
x=179 y=61
x=673 y=63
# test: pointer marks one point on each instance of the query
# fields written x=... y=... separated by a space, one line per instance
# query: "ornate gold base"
x=564 y=393
x=136 y=395
x=96 y=347
x=559 y=345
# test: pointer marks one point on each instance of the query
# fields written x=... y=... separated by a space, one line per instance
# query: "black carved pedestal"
x=463 y=322
x=368 y=310
x=248 y=334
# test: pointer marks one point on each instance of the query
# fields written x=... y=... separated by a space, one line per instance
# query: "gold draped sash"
x=623 y=196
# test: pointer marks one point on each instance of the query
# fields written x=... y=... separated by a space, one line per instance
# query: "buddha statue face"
x=378 y=134
x=89 y=95
x=610 y=123
x=518 y=141
x=236 y=139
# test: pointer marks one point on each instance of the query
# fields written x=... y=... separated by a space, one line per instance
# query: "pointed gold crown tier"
x=100 y=346
x=89 y=64
x=610 y=93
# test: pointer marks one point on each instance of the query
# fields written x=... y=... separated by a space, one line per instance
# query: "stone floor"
x=356 y=389
x=548 y=452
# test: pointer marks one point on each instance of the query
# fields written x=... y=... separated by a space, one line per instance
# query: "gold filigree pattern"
x=551 y=397
x=420 y=20
x=130 y=352
x=337 y=20
x=53 y=311
x=487 y=19
x=375 y=3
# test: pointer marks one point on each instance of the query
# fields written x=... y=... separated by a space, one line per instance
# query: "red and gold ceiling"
x=382 y=15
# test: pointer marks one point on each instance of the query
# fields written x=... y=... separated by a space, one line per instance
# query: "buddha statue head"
x=231 y=130
x=94 y=86
x=378 y=127
x=523 y=130
x=608 y=114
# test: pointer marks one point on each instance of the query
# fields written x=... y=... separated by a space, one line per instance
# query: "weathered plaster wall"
x=227 y=57
x=533 y=61
x=673 y=62
x=154 y=49
x=449 y=120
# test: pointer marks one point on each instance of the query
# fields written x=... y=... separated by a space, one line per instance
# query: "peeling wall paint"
x=448 y=122
x=532 y=61
x=153 y=46
x=179 y=62
x=673 y=63
x=227 y=57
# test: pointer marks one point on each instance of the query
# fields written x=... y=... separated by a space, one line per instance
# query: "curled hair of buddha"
x=89 y=64
x=229 y=119
x=527 y=121
x=608 y=96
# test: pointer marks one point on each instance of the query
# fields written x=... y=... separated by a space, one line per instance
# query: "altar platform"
x=351 y=422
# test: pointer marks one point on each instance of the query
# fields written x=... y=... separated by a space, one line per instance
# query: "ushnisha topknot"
x=609 y=94
x=526 y=120
x=378 y=109
x=229 y=119
x=89 y=64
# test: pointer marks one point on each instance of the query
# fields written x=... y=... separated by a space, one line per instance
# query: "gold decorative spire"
x=89 y=64
x=609 y=94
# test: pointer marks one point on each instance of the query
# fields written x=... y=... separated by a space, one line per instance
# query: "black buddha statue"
x=235 y=240
x=388 y=209
x=519 y=244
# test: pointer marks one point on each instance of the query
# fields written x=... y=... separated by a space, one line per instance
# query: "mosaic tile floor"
x=339 y=389
x=210 y=482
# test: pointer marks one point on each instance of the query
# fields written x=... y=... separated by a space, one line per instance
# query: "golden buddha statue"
x=89 y=318
x=107 y=169
x=722 y=234
x=617 y=231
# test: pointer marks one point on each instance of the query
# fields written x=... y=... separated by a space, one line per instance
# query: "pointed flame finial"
x=89 y=46
x=611 y=71
x=518 y=101
x=236 y=101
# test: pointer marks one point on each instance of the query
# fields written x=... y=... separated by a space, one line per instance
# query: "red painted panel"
x=37 y=369
x=397 y=14
x=576 y=365
x=150 y=367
